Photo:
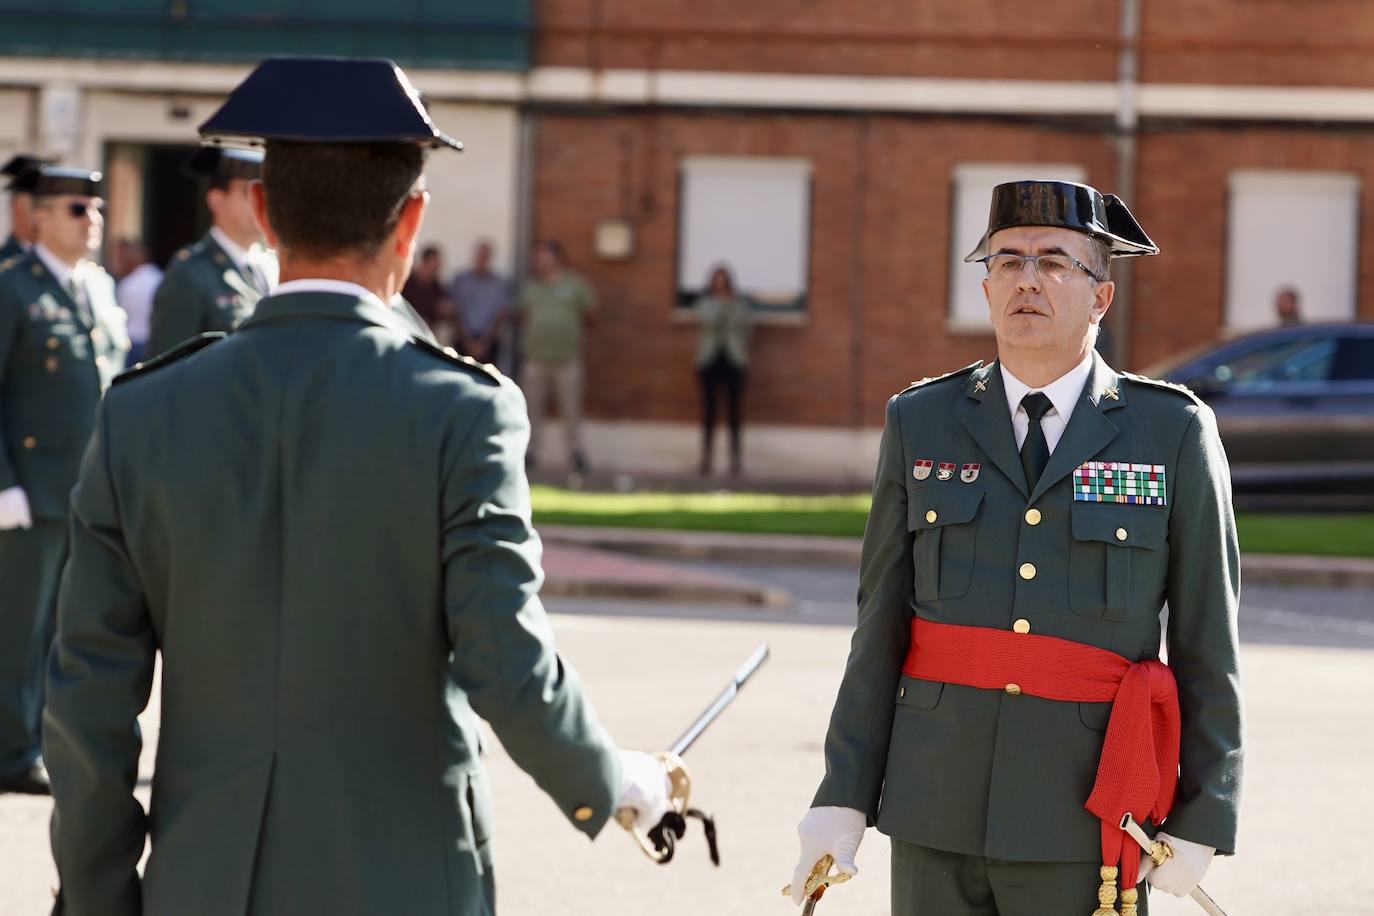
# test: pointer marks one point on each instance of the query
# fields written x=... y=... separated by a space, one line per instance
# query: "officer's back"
x=322 y=523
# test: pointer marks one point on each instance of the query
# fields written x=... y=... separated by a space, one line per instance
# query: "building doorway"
x=150 y=199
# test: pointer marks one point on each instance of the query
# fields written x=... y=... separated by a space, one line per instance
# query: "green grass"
x=843 y=516
x=749 y=513
x=1328 y=535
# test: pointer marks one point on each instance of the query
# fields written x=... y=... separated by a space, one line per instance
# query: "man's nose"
x=1029 y=278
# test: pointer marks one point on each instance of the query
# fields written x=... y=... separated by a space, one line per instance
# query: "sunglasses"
x=78 y=209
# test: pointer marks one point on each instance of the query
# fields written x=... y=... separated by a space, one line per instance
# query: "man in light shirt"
x=139 y=279
x=214 y=283
x=62 y=339
x=1030 y=519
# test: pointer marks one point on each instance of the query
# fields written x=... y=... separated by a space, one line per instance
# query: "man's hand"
x=1182 y=871
x=827 y=831
x=645 y=788
x=14 y=509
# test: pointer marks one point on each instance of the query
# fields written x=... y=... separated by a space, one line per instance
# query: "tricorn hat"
x=325 y=100
x=1067 y=205
x=57 y=179
x=222 y=164
x=22 y=171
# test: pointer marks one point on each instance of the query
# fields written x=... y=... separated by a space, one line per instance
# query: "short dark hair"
x=326 y=199
x=553 y=247
x=429 y=251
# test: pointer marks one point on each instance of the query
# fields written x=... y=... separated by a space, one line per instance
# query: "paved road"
x=1308 y=804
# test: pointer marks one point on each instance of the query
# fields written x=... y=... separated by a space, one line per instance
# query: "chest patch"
x=1119 y=482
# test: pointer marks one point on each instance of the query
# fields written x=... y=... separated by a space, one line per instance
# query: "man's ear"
x=408 y=226
x=257 y=199
x=1102 y=298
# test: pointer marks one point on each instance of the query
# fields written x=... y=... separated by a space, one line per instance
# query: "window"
x=1263 y=368
x=1291 y=230
x=1355 y=360
x=753 y=215
x=973 y=184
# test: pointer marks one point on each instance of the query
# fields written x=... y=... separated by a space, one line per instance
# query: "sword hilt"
x=818 y=881
x=660 y=848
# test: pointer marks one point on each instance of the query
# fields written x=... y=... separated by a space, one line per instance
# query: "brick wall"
x=1057 y=39
x=880 y=248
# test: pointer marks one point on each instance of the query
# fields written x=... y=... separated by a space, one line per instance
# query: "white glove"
x=1181 y=872
x=644 y=787
x=826 y=831
x=14 y=509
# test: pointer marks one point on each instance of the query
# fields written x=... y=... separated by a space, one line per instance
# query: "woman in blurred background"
x=722 y=358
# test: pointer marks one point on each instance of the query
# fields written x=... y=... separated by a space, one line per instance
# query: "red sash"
x=1138 y=770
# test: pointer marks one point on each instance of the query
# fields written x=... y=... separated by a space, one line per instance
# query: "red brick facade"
x=882 y=183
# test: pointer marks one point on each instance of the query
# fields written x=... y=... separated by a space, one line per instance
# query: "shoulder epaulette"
x=180 y=351
x=1160 y=383
x=450 y=355
x=940 y=378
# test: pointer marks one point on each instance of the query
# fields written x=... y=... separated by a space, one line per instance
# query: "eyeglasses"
x=77 y=209
x=1054 y=267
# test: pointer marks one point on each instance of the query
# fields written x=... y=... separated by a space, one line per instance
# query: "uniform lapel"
x=988 y=421
x=1089 y=431
x=80 y=310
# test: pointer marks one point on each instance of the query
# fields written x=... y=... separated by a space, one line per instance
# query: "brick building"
x=1238 y=131
x=837 y=154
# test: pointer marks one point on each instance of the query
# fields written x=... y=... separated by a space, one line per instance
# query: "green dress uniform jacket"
x=323 y=524
x=57 y=356
x=201 y=292
x=1003 y=776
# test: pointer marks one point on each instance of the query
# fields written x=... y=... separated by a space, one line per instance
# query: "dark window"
x=1289 y=361
x=1355 y=360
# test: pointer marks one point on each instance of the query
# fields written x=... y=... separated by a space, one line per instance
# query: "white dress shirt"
x=1063 y=393
x=325 y=285
x=135 y=294
x=61 y=271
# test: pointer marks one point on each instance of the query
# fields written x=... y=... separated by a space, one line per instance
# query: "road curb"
x=807 y=550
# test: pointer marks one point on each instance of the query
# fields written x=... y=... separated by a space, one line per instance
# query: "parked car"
x=1295 y=405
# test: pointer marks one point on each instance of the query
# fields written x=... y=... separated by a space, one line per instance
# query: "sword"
x=1159 y=852
x=662 y=839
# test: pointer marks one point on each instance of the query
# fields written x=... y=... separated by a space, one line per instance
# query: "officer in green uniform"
x=1045 y=495
x=62 y=339
x=213 y=284
x=20 y=173
x=322 y=524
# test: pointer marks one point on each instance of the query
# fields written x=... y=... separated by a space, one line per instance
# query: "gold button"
x=95 y=334
x=583 y=814
x=1121 y=534
x=1027 y=570
x=901 y=693
x=1032 y=516
x=1021 y=626
x=30 y=442
x=50 y=364
x=100 y=361
x=54 y=343
x=931 y=516
x=1013 y=690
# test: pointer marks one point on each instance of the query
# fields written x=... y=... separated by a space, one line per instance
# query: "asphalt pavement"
x=651 y=666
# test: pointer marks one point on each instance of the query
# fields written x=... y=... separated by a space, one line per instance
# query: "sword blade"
x=718 y=705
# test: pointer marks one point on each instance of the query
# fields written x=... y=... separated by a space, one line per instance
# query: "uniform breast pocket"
x=1117 y=560
x=944 y=521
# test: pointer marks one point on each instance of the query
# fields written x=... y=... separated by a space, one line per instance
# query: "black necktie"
x=1035 y=451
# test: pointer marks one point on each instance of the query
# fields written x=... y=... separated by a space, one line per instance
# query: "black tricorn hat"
x=1067 y=205
x=325 y=100
x=57 y=179
x=223 y=164
x=22 y=171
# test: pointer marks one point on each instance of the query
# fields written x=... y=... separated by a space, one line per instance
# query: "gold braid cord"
x=1130 y=897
